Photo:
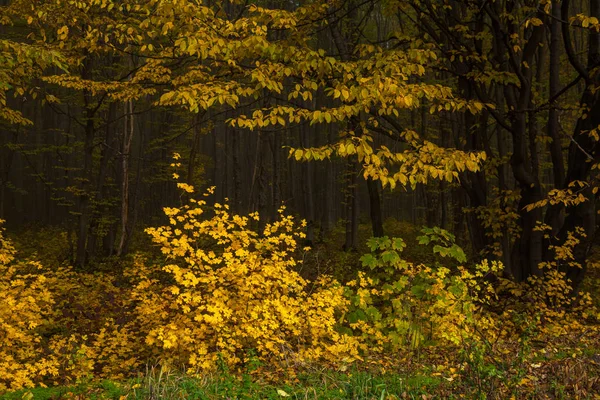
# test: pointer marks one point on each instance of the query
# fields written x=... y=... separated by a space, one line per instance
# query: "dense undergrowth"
x=225 y=311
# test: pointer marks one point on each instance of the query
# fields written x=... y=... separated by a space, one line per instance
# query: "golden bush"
x=232 y=290
x=26 y=305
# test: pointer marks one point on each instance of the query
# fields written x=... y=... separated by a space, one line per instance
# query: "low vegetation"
x=219 y=309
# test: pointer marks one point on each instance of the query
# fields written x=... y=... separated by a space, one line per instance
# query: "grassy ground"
x=562 y=373
x=161 y=385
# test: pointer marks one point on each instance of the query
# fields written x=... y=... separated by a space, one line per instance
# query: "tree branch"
x=566 y=34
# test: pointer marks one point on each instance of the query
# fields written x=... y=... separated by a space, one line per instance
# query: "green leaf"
x=457 y=253
x=373 y=244
x=373 y=313
x=368 y=261
x=424 y=239
x=418 y=291
x=398 y=244
x=390 y=257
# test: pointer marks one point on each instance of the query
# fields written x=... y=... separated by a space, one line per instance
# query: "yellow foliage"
x=25 y=306
x=58 y=326
x=226 y=291
x=229 y=289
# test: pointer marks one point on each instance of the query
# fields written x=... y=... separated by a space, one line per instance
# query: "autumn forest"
x=366 y=199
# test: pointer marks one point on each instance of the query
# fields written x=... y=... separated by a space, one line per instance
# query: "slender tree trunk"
x=443 y=206
x=327 y=217
x=83 y=198
x=237 y=172
x=307 y=190
x=264 y=197
x=351 y=203
x=105 y=158
x=276 y=180
x=194 y=148
x=375 y=208
x=125 y=154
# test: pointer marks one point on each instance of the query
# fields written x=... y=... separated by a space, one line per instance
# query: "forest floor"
x=569 y=369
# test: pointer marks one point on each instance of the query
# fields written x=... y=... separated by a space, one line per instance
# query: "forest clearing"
x=343 y=199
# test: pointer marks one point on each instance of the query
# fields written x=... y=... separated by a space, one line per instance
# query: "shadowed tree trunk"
x=375 y=208
x=351 y=204
x=126 y=155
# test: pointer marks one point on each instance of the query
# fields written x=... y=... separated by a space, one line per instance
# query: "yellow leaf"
x=536 y=22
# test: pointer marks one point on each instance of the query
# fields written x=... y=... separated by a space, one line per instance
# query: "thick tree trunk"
x=327 y=216
x=194 y=148
x=555 y=213
x=583 y=153
x=583 y=150
x=527 y=251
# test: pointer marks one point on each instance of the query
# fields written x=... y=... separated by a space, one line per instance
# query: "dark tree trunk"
x=555 y=213
x=308 y=190
x=237 y=172
x=351 y=203
x=583 y=150
x=263 y=185
x=375 y=208
x=126 y=155
x=277 y=165
x=83 y=198
x=107 y=154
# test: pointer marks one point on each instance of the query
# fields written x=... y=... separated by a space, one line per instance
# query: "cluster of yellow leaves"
x=573 y=195
x=19 y=63
x=202 y=59
x=58 y=326
x=546 y=301
x=226 y=291
x=232 y=290
x=424 y=161
x=24 y=306
x=586 y=21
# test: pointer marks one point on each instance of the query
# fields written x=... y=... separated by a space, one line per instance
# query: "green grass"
x=158 y=384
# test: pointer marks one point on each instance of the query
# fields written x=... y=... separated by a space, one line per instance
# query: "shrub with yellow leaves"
x=95 y=329
x=548 y=299
x=58 y=326
x=25 y=307
x=228 y=289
